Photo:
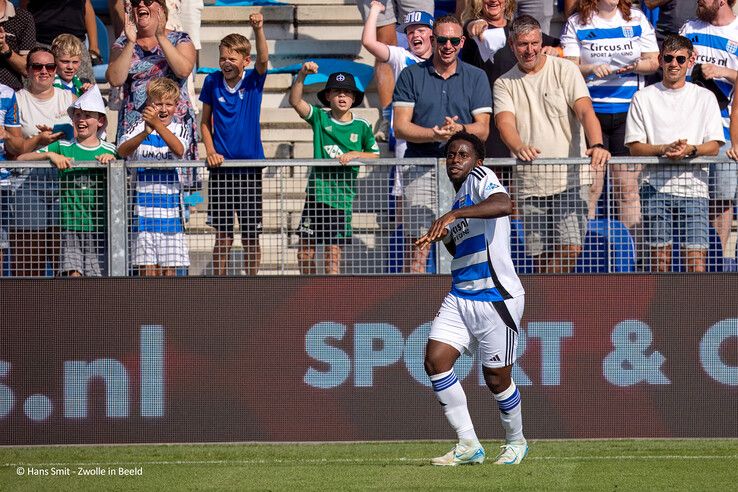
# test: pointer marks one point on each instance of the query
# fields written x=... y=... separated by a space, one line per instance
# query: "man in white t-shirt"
x=677 y=120
x=543 y=109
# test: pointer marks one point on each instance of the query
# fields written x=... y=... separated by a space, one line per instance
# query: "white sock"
x=453 y=399
x=511 y=413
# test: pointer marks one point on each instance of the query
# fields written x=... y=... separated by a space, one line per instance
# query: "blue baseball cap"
x=416 y=18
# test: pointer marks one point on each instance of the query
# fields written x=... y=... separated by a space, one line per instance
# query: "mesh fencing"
x=315 y=217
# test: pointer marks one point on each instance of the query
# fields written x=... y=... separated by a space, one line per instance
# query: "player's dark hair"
x=476 y=142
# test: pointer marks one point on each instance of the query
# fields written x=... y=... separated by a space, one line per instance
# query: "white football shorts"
x=492 y=327
x=160 y=248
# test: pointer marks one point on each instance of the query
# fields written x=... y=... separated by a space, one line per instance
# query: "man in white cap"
x=82 y=190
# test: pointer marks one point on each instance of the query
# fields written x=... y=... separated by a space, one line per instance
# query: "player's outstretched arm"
x=497 y=205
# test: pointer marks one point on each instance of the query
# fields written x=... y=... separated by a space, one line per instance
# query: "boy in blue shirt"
x=231 y=109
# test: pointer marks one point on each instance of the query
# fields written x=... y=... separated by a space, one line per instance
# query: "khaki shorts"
x=555 y=220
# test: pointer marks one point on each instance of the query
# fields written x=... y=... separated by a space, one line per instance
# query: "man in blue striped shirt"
x=485 y=305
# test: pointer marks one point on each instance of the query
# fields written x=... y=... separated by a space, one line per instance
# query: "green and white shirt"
x=83 y=193
x=336 y=186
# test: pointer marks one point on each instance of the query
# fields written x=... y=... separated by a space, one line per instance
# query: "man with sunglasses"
x=433 y=100
x=677 y=120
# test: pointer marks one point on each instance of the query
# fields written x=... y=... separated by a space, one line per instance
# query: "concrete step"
x=288 y=51
x=240 y=15
x=327 y=16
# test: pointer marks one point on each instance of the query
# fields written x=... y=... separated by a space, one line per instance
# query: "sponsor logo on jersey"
x=628 y=31
x=731 y=47
x=333 y=150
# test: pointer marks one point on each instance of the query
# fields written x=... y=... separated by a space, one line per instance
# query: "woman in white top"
x=42 y=111
x=615 y=47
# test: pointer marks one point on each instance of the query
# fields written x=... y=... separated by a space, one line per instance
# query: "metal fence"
x=289 y=217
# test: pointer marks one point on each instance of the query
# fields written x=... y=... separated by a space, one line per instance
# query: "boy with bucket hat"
x=82 y=190
x=326 y=217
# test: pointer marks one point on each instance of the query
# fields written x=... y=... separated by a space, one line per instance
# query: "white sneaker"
x=512 y=453
x=461 y=455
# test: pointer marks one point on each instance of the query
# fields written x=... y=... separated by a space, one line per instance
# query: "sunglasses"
x=442 y=40
x=37 y=67
x=148 y=3
x=681 y=59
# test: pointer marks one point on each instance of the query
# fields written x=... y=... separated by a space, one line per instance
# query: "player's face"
x=340 y=99
x=165 y=108
x=527 y=49
x=232 y=64
x=460 y=160
x=419 y=39
x=86 y=123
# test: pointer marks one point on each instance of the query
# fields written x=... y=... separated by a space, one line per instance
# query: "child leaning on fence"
x=231 y=108
x=82 y=190
x=326 y=217
x=160 y=246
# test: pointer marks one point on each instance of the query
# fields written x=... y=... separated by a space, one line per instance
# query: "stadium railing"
x=561 y=222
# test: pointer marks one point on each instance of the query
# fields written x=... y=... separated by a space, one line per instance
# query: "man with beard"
x=714 y=35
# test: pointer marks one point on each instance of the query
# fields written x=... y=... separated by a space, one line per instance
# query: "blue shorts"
x=666 y=216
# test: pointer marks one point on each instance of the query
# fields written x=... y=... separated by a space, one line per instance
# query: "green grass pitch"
x=649 y=464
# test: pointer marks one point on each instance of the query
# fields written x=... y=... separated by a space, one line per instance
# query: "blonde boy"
x=160 y=246
x=67 y=50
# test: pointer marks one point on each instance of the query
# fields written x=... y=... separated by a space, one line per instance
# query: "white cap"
x=89 y=101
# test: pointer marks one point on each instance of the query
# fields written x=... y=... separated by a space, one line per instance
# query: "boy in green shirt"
x=326 y=217
x=83 y=190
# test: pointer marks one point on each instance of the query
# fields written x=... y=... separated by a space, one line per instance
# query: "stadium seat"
x=608 y=247
x=523 y=262
x=104 y=44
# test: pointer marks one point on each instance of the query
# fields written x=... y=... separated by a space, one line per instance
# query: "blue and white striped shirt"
x=9 y=118
x=482 y=268
x=159 y=206
x=615 y=42
x=717 y=45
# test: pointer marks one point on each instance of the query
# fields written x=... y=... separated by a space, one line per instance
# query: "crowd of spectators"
x=607 y=85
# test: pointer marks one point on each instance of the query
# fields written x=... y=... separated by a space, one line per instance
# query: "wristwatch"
x=693 y=153
x=7 y=54
x=596 y=146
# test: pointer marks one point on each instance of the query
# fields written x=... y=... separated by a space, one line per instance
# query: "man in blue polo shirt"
x=432 y=101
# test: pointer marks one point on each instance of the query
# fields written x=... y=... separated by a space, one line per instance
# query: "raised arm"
x=120 y=58
x=369 y=35
x=262 y=49
x=181 y=58
x=296 y=100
